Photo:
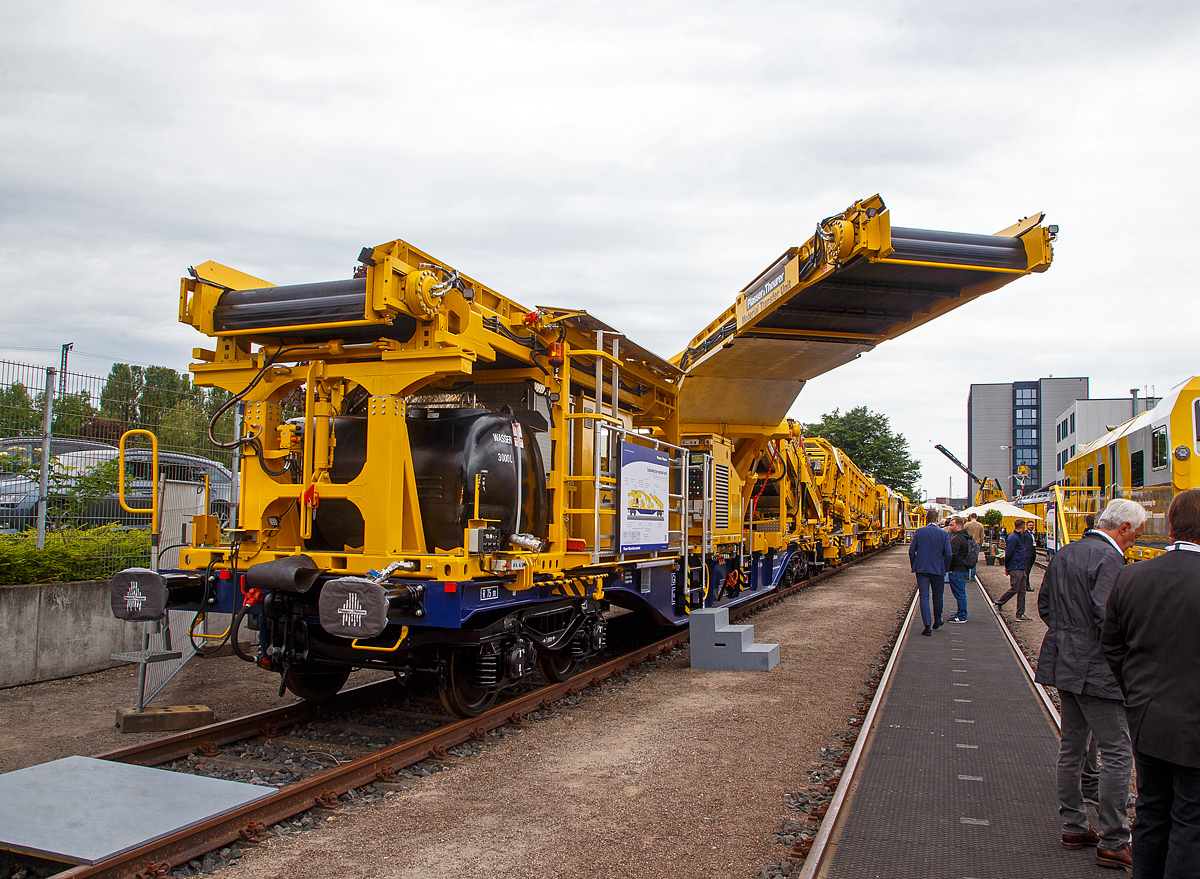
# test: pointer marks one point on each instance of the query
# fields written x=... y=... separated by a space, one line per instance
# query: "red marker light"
x=450 y=587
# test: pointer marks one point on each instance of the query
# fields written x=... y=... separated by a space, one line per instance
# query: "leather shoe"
x=928 y=631
x=1120 y=858
x=938 y=624
x=1073 y=841
x=1022 y=618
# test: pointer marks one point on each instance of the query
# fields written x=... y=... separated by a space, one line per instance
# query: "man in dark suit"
x=1072 y=603
x=929 y=556
x=1015 y=556
x=1152 y=642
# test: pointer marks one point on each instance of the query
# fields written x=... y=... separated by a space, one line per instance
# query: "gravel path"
x=678 y=773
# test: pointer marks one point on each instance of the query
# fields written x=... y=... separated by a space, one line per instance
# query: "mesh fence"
x=87 y=534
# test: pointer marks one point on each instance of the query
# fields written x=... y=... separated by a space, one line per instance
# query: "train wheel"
x=556 y=666
x=797 y=570
x=316 y=683
x=460 y=694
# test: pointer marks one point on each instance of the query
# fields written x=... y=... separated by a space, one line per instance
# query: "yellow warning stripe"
x=578 y=587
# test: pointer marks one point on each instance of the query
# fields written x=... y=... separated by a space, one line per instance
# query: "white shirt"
x=1186 y=545
x=1109 y=539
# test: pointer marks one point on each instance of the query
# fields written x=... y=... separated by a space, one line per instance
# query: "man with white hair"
x=1072 y=604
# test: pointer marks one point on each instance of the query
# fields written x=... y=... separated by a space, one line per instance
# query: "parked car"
x=18 y=453
x=19 y=493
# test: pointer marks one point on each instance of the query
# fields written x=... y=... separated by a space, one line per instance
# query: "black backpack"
x=972 y=558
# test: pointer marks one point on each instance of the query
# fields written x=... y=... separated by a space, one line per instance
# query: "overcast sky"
x=641 y=160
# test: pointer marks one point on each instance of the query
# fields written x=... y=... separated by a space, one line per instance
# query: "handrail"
x=153 y=509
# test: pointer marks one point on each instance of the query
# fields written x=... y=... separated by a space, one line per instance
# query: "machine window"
x=1137 y=469
x=1158 y=447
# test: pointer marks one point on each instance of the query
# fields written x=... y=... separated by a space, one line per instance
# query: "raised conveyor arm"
x=857 y=282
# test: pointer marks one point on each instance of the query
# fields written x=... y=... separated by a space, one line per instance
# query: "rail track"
x=323 y=789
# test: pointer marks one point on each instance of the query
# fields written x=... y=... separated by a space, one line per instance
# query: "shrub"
x=83 y=554
x=993 y=518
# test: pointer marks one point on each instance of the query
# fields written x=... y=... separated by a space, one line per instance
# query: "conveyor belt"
x=959 y=776
x=810 y=312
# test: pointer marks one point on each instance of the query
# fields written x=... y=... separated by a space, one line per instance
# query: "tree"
x=19 y=413
x=162 y=390
x=72 y=413
x=184 y=428
x=868 y=439
x=133 y=396
x=120 y=394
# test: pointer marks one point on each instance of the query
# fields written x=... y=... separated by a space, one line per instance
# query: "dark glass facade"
x=1027 y=426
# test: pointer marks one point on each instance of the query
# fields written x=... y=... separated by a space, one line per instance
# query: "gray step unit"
x=718 y=646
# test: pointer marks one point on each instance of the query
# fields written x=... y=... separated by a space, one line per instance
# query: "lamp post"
x=1020 y=475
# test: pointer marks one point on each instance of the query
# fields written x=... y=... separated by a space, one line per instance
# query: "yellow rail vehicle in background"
x=436 y=479
x=1148 y=459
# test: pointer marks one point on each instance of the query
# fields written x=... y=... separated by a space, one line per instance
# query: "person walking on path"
x=1072 y=600
x=974 y=529
x=1030 y=554
x=1014 y=566
x=1151 y=644
x=960 y=566
x=929 y=557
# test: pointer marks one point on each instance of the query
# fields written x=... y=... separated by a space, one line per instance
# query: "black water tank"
x=450 y=447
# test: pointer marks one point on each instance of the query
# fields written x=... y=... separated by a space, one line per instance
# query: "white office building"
x=1086 y=420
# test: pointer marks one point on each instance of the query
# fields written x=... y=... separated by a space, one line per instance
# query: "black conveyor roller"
x=296 y=310
x=959 y=248
x=296 y=305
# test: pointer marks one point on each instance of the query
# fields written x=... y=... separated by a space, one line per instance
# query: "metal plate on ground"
x=83 y=811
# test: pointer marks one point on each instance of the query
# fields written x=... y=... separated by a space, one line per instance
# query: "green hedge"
x=83 y=554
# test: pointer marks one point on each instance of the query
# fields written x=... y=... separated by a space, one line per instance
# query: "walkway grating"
x=958 y=780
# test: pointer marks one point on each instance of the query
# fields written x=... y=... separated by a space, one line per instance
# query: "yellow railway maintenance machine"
x=435 y=479
x=1149 y=459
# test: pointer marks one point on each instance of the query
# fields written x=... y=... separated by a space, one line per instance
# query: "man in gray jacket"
x=1071 y=603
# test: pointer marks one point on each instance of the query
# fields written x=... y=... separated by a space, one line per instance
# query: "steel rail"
x=156 y=858
x=179 y=745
